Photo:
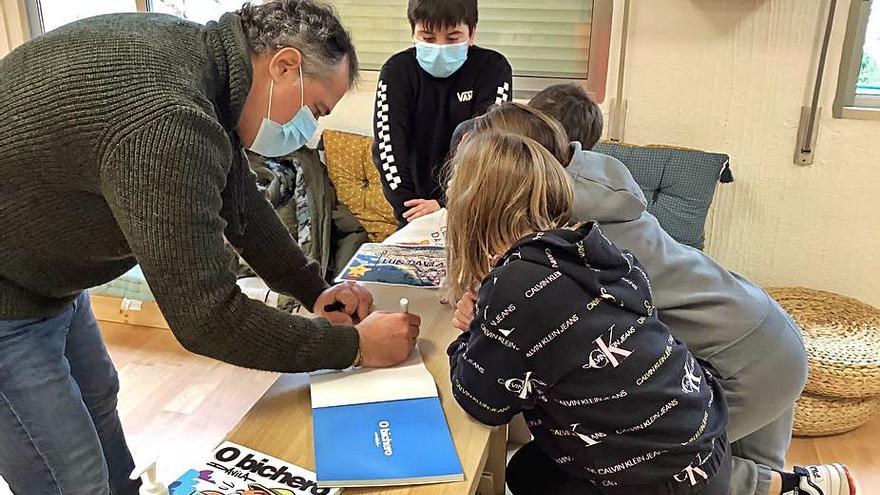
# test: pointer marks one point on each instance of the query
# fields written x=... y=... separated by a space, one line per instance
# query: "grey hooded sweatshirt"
x=705 y=305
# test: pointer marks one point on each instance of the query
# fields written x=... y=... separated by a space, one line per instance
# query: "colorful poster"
x=237 y=470
x=412 y=266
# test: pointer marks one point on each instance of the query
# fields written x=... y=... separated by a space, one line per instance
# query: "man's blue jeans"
x=59 y=429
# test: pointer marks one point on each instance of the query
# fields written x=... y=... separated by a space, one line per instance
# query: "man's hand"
x=419 y=208
x=387 y=338
x=464 y=311
x=353 y=301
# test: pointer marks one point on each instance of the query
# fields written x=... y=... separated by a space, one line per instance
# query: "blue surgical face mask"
x=274 y=140
x=441 y=60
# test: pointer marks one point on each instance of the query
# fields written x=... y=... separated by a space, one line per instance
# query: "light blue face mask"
x=441 y=60
x=274 y=140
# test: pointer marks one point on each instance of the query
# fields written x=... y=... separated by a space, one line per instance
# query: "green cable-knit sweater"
x=118 y=146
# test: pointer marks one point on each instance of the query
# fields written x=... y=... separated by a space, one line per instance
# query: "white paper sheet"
x=408 y=380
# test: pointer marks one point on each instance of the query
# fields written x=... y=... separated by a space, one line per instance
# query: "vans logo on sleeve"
x=464 y=96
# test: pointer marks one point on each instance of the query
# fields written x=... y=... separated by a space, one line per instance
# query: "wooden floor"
x=175 y=406
x=859 y=449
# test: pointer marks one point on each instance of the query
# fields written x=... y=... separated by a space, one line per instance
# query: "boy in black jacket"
x=424 y=93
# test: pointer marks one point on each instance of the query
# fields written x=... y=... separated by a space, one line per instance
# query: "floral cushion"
x=357 y=182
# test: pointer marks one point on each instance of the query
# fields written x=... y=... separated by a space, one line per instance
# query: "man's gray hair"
x=309 y=26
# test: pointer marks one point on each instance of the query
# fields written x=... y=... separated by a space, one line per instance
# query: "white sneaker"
x=825 y=479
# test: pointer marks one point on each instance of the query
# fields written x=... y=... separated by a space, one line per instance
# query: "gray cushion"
x=678 y=183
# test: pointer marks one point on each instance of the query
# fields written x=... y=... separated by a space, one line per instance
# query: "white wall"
x=731 y=76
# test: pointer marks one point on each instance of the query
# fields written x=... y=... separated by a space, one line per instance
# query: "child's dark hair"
x=570 y=105
x=436 y=14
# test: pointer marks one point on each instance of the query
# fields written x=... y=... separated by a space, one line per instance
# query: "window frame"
x=34 y=18
x=595 y=80
x=847 y=104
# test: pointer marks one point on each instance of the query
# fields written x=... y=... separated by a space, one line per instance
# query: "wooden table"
x=280 y=424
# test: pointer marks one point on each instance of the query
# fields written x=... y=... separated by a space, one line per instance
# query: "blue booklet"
x=384 y=443
x=381 y=427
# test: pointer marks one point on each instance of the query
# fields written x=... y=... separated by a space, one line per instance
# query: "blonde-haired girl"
x=567 y=334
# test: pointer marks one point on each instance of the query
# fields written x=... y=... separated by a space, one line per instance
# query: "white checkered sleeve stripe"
x=503 y=93
x=383 y=131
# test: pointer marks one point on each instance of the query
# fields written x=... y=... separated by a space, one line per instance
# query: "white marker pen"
x=404 y=308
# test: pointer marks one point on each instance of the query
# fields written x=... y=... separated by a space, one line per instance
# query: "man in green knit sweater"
x=121 y=142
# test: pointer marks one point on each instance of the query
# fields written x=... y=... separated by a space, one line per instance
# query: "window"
x=46 y=15
x=558 y=41
x=200 y=11
x=868 y=83
x=858 y=91
x=55 y=13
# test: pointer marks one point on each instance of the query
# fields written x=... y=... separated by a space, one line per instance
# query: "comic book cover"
x=412 y=266
x=236 y=470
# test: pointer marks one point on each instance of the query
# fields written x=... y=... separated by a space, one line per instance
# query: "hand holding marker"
x=338 y=306
x=387 y=339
